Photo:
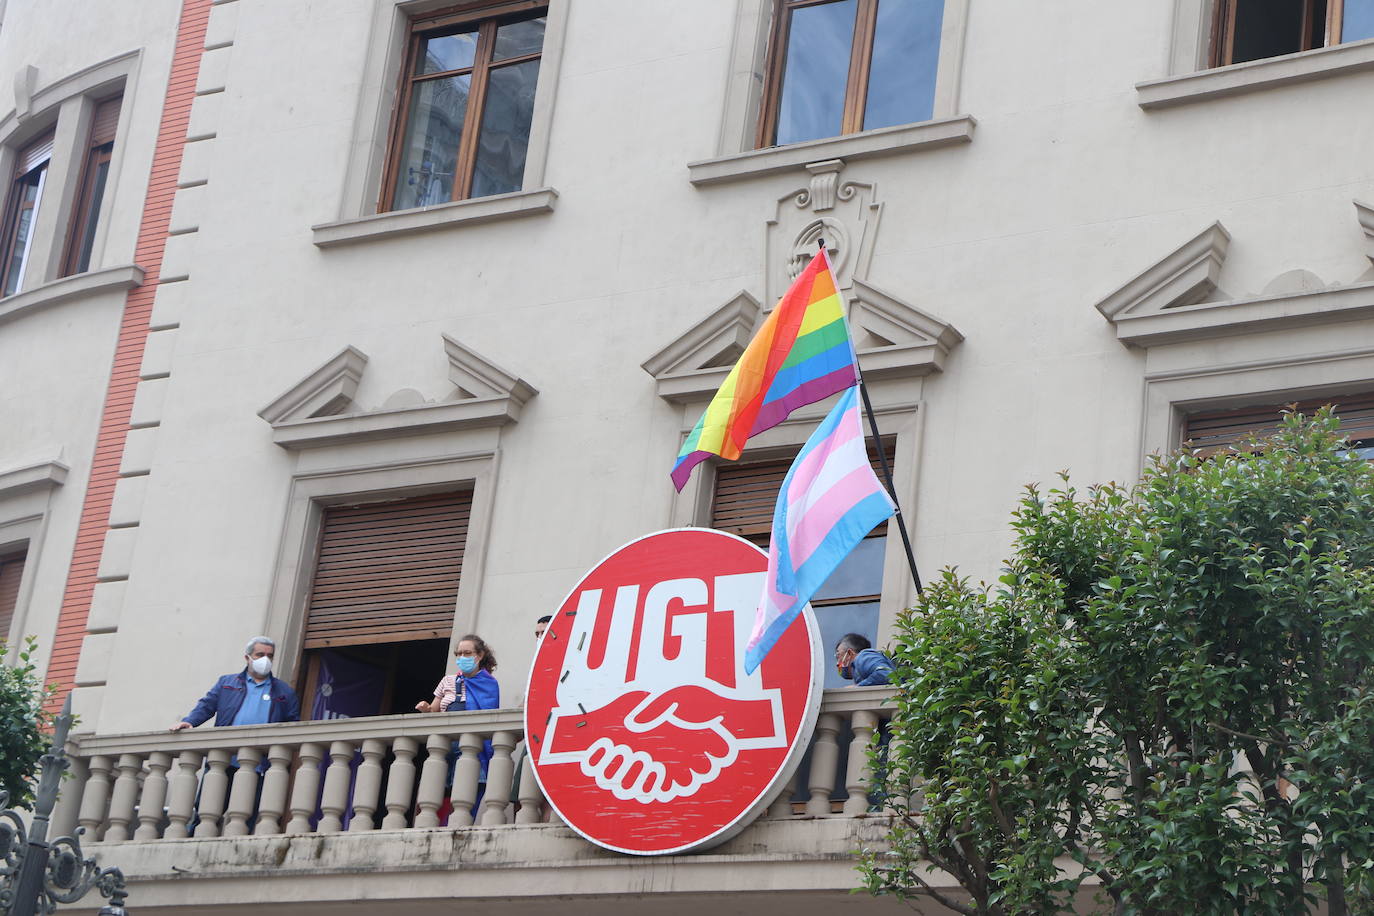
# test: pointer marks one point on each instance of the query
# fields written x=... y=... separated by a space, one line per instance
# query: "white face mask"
x=261 y=666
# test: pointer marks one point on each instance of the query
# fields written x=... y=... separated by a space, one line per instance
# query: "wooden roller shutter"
x=11 y=571
x=1213 y=431
x=105 y=120
x=388 y=572
x=746 y=495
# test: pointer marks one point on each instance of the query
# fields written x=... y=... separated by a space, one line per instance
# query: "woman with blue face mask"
x=471 y=685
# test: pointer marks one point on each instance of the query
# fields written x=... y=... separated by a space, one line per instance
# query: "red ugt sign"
x=647 y=736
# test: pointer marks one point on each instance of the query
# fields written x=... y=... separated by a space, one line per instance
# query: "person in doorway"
x=471 y=687
x=248 y=697
x=858 y=661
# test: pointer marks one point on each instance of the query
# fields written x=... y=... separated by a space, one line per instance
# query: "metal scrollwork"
x=35 y=875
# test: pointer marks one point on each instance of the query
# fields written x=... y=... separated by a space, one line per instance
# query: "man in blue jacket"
x=249 y=697
x=857 y=661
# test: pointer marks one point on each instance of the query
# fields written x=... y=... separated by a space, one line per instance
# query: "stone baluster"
x=69 y=798
x=859 y=771
x=213 y=790
x=123 y=798
x=154 y=797
x=243 y=794
x=465 y=780
x=432 y=781
x=96 y=797
x=368 y=785
x=335 y=799
x=181 y=801
x=274 y=786
x=400 y=783
x=306 y=792
x=782 y=805
x=500 y=774
x=910 y=793
x=531 y=797
x=825 y=755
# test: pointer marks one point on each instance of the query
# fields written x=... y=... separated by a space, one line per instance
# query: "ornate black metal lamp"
x=35 y=875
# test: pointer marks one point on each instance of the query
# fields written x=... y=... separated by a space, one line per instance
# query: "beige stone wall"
x=1060 y=190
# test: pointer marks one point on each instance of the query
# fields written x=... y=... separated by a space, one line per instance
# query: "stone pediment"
x=1185 y=276
x=893 y=338
x=1177 y=298
x=321 y=410
x=1365 y=214
x=700 y=359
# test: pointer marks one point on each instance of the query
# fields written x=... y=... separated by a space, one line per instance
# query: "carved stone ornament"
x=844 y=213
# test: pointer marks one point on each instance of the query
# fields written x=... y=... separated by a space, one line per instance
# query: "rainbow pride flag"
x=800 y=355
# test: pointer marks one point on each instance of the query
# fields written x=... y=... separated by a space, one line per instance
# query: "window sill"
x=871 y=144
x=80 y=285
x=440 y=216
x=1255 y=75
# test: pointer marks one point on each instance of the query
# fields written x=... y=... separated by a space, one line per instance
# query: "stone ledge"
x=1256 y=75
x=870 y=144
x=440 y=216
x=91 y=283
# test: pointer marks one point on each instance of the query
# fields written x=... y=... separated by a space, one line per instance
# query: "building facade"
x=367 y=324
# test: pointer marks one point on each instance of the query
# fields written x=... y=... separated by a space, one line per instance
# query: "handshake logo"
x=653 y=703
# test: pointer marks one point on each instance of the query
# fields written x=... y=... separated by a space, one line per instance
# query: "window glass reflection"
x=816 y=72
x=860 y=573
x=448 y=52
x=505 y=136
x=430 y=157
x=906 y=54
x=1357 y=20
x=517 y=39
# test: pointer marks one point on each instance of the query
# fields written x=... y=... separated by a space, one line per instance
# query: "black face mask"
x=847 y=672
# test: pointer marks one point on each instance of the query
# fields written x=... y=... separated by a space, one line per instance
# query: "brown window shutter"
x=388 y=572
x=105 y=120
x=11 y=571
x=33 y=155
x=1212 y=431
x=746 y=495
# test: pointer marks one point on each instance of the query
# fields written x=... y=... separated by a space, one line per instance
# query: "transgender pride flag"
x=828 y=502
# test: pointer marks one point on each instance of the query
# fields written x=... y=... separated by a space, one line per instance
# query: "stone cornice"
x=44 y=475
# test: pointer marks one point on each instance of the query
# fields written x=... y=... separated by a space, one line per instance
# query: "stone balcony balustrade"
x=320 y=814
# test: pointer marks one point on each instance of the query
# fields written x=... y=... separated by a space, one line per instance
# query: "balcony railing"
x=388 y=773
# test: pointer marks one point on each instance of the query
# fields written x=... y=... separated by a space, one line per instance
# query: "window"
x=21 y=212
x=841 y=66
x=1246 y=30
x=848 y=602
x=381 y=605
x=95 y=172
x=1213 y=431
x=11 y=572
x=462 y=124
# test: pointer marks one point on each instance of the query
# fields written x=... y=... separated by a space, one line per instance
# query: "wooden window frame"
x=487 y=17
x=99 y=151
x=86 y=204
x=860 y=66
x=1221 y=49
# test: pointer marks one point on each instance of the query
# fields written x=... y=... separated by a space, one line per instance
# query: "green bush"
x=1169 y=692
x=22 y=722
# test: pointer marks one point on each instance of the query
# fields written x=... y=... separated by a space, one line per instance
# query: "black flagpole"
x=882 y=463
